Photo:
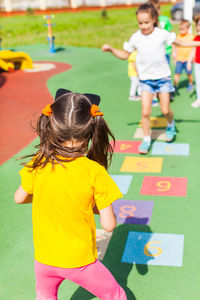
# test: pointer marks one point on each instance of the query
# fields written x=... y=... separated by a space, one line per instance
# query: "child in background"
x=64 y=181
x=153 y=69
x=182 y=54
x=195 y=56
x=134 y=93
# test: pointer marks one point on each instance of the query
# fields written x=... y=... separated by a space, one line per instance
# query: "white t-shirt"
x=151 y=60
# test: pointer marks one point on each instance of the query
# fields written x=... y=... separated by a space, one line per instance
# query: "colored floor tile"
x=133 y=212
x=126 y=146
x=156 y=122
x=164 y=186
x=142 y=164
x=123 y=182
x=159 y=148
x=102 y=238
x=154 y=249
x=156 y=134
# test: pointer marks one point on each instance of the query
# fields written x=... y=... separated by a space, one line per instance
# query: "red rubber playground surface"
x=21 y=95
x=154 y=251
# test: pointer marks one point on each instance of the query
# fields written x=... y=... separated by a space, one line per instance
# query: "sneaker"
x=196 y=103
x=134 y=98
x=155 y=103
x=170 y=134
x=144 y=147
x=190 y=88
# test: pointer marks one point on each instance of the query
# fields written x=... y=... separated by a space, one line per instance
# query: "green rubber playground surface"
x=165 y=265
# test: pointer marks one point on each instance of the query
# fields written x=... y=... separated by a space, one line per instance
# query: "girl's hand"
x=106 y=48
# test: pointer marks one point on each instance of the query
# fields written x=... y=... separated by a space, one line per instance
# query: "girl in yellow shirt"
x=66 y=181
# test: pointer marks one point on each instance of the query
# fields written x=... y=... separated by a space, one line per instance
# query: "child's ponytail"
x=73 y=118
x=101 y=150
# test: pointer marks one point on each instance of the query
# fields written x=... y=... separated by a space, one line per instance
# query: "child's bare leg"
x=165 y=106
x=146 y=111
x=168 y=113
x=176 y=79
x=190 y=79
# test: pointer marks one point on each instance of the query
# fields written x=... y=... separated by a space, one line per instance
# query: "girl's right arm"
x=107 y=218
x=22 y=197
x=122 y=54
x=181 y=43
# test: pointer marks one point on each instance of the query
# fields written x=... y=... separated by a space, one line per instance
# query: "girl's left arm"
x=22 y=197
x=178 y=42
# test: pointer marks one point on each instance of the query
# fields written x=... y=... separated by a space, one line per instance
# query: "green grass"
x=85 y=29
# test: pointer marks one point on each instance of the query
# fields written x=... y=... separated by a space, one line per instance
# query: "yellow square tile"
x=157 y=122
x=142 y=164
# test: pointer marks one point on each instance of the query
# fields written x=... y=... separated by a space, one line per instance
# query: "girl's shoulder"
x=136 y=34
x=92 y=164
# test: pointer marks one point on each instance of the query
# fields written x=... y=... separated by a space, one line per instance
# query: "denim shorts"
x=180 y=66
x=162 y=85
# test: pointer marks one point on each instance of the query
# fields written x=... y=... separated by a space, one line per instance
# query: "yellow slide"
x=10 y=60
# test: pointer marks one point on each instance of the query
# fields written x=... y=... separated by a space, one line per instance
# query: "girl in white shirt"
x=153 y=69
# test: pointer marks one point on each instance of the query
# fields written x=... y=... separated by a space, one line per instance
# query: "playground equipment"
x=50 y=37
x=10 y=60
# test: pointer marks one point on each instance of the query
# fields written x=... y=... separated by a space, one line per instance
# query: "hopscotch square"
x=156 y=122
x=123 y=182
x=142 y=164
x=102 y=241
x=170 y=149
x=133 y=212
x=156 y=134
x=126 y=146
x=154 y=249
x=164 y=186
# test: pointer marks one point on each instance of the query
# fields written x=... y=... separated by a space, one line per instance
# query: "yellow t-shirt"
x=64 y=232
x=183 y=53
x=131 y=70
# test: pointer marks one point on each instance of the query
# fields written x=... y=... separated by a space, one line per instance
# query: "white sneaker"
x=134 y=98
x=196 y=103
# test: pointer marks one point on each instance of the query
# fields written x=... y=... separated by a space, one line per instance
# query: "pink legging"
x=94 y=277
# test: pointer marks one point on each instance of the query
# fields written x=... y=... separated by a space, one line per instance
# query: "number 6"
x=148 y=246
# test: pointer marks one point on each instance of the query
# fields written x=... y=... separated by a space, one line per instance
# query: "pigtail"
x=101 y=150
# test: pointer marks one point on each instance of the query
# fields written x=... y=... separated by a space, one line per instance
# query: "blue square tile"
x=123 y=182
x=160 y=148
x=154 y=249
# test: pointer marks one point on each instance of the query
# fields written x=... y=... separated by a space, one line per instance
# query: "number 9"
x=163 y=186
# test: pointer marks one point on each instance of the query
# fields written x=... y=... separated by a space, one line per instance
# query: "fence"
x=14 y=5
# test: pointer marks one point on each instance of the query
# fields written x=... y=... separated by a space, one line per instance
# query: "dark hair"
x=150 y=9
x=71 y=120
x=196 y=19
x=154 y=2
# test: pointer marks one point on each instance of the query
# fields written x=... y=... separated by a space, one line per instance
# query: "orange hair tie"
x=95 y=111
x=47 y=111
